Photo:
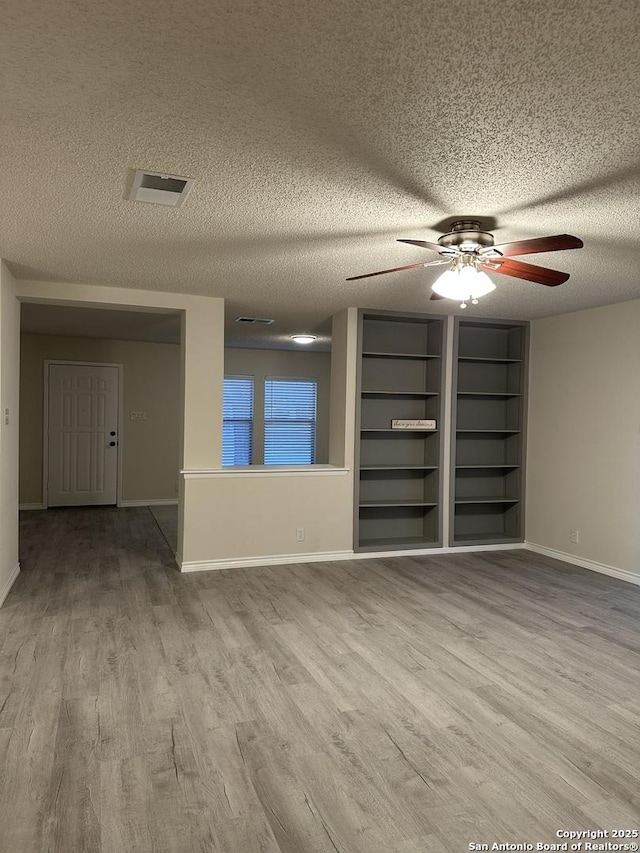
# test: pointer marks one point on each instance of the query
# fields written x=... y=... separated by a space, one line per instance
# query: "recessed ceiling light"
x=304 y=339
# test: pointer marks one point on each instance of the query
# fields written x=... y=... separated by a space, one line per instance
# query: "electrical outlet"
x=299 y=534
x=575 y=536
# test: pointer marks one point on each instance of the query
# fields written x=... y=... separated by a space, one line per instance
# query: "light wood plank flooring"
x=167 y=520
x=401 y=705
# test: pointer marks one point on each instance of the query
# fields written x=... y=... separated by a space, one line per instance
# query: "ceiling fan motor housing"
x=467 y=234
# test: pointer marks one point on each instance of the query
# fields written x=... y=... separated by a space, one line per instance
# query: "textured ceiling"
x=317 y=134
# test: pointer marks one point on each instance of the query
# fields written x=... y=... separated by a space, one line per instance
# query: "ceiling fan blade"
x=435 y=295
x=435 y=247
x=529 y=272
x=383 y=272
x=538 y=244
x=437 y=263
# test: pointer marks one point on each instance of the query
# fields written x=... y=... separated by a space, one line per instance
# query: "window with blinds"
x=237 y=428
x=289 y=421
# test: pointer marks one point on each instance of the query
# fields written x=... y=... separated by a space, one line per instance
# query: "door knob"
x=112 y=444
x=113 y=432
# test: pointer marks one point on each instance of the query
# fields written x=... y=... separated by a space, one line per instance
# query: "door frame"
x=45 y=423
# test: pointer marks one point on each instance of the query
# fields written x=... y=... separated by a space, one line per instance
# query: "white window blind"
x=289 y=421
x=237 y=428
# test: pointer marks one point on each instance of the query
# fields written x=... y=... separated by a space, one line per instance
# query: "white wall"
x=202 y=352
x=9 y=399
x=252 y=516
x=344 y=353
x=202 y=361
x=322 y=503
x=151 y=384
x=583 y=450
x=232 y=516
x=583 y=463
x=261 y=363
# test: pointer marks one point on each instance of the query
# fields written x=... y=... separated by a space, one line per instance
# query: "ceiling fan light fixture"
x=304 y=339
x=464 y=282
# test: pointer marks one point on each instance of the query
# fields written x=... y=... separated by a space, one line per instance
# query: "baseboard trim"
x=171 y=502
x=426 y=552
x=253 y=562
x=7 y=587
x=325 y=556
x=592 y=565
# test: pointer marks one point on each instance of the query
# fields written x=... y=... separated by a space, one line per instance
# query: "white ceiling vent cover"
x=160 y=188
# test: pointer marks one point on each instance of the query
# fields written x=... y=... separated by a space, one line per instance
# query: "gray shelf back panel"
x=378 y=412
x=487 y=482
x=486 y=449
x=405 y=335
x=398 y=523
x=485 y=376
x=399 y=485
x=491 y=521
x=404 y=447
x=490 y=340
x=400 y=374
x=488 y=413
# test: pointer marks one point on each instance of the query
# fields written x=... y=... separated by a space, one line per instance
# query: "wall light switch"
x=137 y=416
x=6 y=417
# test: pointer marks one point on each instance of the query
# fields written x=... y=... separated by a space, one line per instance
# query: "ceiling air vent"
x=256 y=321
x=160 y=188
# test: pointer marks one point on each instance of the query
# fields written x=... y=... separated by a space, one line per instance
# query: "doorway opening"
x=101 y=410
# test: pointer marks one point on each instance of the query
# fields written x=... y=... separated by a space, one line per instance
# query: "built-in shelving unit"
x=399 y=483
x=489 y=395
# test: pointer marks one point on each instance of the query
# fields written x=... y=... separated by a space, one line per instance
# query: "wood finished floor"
x=166 y=518
x=377 y=706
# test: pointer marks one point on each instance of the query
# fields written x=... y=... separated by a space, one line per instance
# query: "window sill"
x=263 y=471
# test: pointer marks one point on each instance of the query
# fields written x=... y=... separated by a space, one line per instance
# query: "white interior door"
x=82 y=435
